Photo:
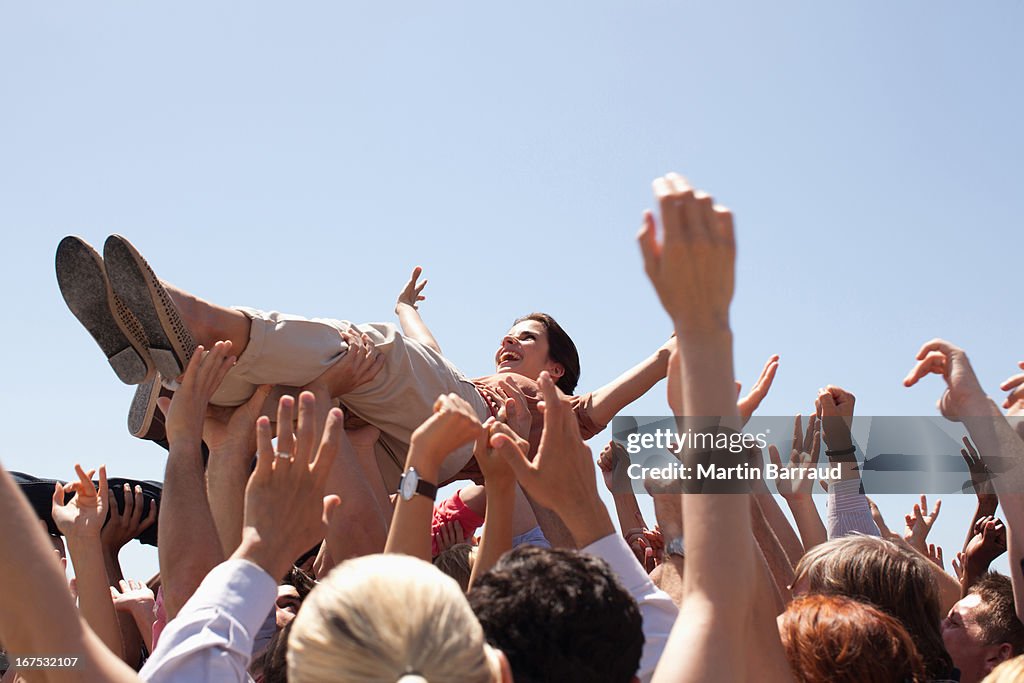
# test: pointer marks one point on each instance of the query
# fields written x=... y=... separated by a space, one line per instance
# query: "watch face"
x=409 y=481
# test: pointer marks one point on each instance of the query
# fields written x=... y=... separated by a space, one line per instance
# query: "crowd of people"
x=300 y=539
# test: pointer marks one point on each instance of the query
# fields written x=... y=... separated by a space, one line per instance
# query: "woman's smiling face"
x=524 y=351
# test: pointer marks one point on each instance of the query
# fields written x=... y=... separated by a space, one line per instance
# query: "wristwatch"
x=675 y=547
x=410 y=484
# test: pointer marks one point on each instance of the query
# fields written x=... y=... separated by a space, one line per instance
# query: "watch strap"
x=425 y=488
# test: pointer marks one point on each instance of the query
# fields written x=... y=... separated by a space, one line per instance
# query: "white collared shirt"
x=211 y=638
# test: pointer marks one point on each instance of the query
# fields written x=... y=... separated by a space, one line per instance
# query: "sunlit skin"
x=964 y=641
x=287 y=604
x=524 y=351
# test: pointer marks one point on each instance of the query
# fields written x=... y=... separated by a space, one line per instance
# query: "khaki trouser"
x=293 y=351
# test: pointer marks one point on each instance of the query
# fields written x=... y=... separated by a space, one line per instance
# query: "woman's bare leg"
x=210 y=323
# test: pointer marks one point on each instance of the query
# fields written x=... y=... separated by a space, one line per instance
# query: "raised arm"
x=963 y=400
x=692 y=270
x=988 y=543
x=39 y=616
x=453 y=424
x=500 y=482
x=407 y=310
x=613 y=461
x=797 y=490
x=561 y=478
x=80 y=520
x=607 y=401
x=122 y=526
x=285 y=513
x=231 y=438
x=981 y=482
x=848 y=509
x=1014 y=402
x=189 y=545
x=781 y=529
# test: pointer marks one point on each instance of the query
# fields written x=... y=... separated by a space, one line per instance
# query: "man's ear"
x=1002 y=653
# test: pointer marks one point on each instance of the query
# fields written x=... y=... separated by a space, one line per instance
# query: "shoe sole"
x=170 y=342
x=143 y=408
x=87 y=292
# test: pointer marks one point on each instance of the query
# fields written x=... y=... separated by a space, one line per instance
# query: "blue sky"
x=304 y=158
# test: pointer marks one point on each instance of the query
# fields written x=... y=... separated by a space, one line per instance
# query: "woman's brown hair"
x=890 y=576
x=561 y=349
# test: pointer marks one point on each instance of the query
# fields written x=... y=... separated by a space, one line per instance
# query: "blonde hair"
x=1008 y=672
x=388 y=618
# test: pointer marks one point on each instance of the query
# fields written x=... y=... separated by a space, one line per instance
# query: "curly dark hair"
x=559 y=615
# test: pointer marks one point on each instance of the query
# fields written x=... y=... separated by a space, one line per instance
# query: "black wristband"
x=841 y=452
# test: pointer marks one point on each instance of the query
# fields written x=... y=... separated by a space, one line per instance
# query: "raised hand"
x=84 y=514
x=1014 y=402
x=988 y=543
x=834 y=408
x=561 y=476
x=613 y=458
x=883 y=528
x=515 y=412
x=124 y=525
x=286 y=511
x=495 y=438
x=919 y=524
x=133 y=597
x=411 y=294
x=958 y=566
x=749 y=403
x=453 y=424
x=693 y=267
x=804 y=455
x=229 y=432
x=935 y=555
x=360 y=364
x=648 y=545
x=448 y=534
x=963 y=396
x=981 y=476
x=187 y=410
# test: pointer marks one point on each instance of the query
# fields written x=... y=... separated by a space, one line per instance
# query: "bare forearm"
x=497 y=538
x=357 y=526
x=414 y=328
x=991 y=433
x=551 y=524
x=587 y=521
x=27 y=563
x=94 y=592
x=188 y=543
x=778 y=523
x=144 y=624
x=628 y=513
x=129 y=634
x=410 y=525
x=808 y=522
x=775 y=557
x=714 y=568
x=607 y=401
x=225 y=485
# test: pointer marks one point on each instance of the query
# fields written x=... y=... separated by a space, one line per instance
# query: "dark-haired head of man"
x=559 y=615
x=982 y=630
